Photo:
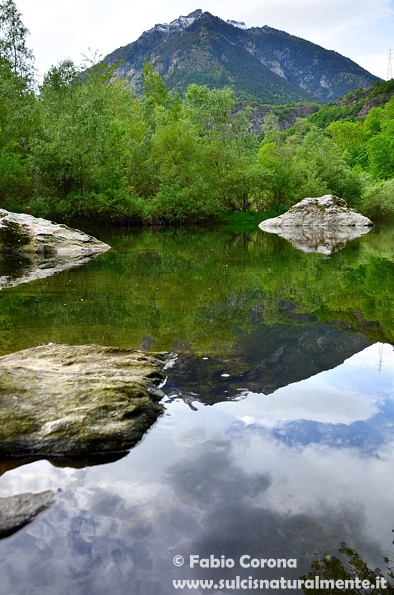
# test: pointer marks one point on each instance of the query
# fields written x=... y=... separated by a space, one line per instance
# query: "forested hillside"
x=83 y=145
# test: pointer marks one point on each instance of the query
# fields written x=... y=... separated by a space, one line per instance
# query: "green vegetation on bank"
x=82 y=145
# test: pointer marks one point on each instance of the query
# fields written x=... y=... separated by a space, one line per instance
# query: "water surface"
x=277 y=441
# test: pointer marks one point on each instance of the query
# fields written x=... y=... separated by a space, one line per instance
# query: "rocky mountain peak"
x=260 y=63
x=185 y=21
x=181 y=22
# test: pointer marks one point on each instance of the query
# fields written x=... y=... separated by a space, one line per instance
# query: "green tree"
x=324 y=169
x=178 y=155
x=381 y=155
x=279 y=176
x=378 y=201
x=84 y=153
x=228 y=150
x=351 y=138
x=13 y=34
x=18 y=124
x=372 y=122
x=154 y=87
x=18 y=119
x=380 y=147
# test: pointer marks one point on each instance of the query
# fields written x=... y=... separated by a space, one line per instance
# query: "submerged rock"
x=323 y=224
x=23 y=233
x=18 y=511
x=71 y=401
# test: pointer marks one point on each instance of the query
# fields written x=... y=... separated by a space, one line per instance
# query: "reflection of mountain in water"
x=271 y=357
x=366 y=437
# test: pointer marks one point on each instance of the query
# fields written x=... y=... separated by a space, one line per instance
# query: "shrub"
x=378 y=201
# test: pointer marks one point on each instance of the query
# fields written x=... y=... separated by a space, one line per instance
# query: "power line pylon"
x=390 y=65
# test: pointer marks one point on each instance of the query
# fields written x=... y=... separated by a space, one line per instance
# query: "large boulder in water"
x=324 y=224
x=73 y=401
x=325 y=211
x=23 y=233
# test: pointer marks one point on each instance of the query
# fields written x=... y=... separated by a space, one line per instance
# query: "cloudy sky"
x=362 y=30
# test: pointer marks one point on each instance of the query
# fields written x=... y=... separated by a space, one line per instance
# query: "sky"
x=362 y=30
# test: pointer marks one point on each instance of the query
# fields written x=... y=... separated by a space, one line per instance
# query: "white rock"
x=325 y=211
x=323 y=224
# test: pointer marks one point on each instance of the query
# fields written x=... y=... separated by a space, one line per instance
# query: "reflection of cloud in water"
x=206 y=483
x=236 y=516
x=349 y=406
x=212 y=501
x=212 y=477
x=323 y=404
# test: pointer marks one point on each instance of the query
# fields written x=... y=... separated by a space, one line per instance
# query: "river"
x=277 y=440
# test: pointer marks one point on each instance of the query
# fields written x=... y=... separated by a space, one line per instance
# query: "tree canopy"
x=83 y=144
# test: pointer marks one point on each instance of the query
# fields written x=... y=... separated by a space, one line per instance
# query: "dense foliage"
x=351 y=572
x=84 y=145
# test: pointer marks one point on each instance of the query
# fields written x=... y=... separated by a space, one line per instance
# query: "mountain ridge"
x=261 y=64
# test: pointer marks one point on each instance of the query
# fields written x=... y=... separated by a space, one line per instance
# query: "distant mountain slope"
x=261 y=64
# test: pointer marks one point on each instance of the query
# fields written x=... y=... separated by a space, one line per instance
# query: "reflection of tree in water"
x=348 y=569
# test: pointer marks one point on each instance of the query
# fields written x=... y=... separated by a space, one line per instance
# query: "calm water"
x=277 y=441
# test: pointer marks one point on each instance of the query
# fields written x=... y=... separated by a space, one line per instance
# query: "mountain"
x=260 y=63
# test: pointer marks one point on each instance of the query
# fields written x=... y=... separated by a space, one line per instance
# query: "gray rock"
x=61 y=400
x=18 y=511
x=23 y=233
x=323 y=224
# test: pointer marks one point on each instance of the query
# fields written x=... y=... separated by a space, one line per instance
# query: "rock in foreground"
x=23 y=233
x=61 y=400
x=18 y=511
x=323 y=224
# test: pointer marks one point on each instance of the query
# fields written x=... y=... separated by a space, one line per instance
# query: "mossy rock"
x=61 y=400
x=324 y=224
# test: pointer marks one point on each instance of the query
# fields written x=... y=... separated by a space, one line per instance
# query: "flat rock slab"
x=71 y=401
x=23 y=233
x=18 y=511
